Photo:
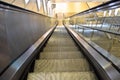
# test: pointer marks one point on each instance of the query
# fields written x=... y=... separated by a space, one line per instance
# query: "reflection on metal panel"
x=18 y=31
x=4 y=50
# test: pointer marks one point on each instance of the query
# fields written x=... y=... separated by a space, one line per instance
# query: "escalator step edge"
x=62 y=76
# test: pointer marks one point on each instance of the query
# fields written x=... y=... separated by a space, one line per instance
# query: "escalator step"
x=59 y=45
x=63 y=55
x=61 y=49
x=61 y=65
x=62 y=76
x=58 y=42
x=61 y=60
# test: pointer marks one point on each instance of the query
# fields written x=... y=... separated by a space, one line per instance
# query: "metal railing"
x=107 y=24
x=82 y=43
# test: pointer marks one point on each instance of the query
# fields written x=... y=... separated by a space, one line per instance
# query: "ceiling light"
x=110 y=12
x=26 y=1
x=116 y=11
x=105 y=13
x=38 y=4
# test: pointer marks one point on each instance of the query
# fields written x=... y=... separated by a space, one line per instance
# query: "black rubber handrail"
x=16 y=69
x=105 y=69
x=114 y=60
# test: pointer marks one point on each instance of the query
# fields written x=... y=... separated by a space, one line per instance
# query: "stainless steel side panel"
x=19 y=29
x=4 y=49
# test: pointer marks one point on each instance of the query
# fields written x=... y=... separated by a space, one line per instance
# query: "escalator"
x=61 y=59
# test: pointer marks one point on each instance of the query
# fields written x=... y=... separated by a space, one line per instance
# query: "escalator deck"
x=61 y=60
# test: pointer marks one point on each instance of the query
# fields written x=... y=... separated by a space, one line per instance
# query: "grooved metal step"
x=61 y=55
x=61 y=42
x=61 y=49
x=59 y=45
x=62 y=65
x=62 y=76
x=61 y=60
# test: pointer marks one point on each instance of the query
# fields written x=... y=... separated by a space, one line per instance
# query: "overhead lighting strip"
x=39 y=4
x=26 y=1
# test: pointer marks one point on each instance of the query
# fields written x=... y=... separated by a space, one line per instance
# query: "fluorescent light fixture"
x=45 y=8
x=26 y=1
x=110 y=12
x=114 y=7
x=116 y=11
x=38 y=4
x=49 y=3
x=68 y=18
x=111 y=4
x=98 y=8
x=61 y=8
x=105 y=13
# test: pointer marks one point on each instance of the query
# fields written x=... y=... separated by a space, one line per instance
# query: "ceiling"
x=31 y=5
x=56 y=1
x=75 y=6
x=66 y=7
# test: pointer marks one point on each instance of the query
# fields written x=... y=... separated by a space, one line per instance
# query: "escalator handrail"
x=114 y=60
x=105 y=69
x=16 y=69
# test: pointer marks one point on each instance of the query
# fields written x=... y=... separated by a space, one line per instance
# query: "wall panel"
x=4 y=49
x=19 y=29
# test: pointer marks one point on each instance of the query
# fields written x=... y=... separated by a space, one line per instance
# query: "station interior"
x=59 y=40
